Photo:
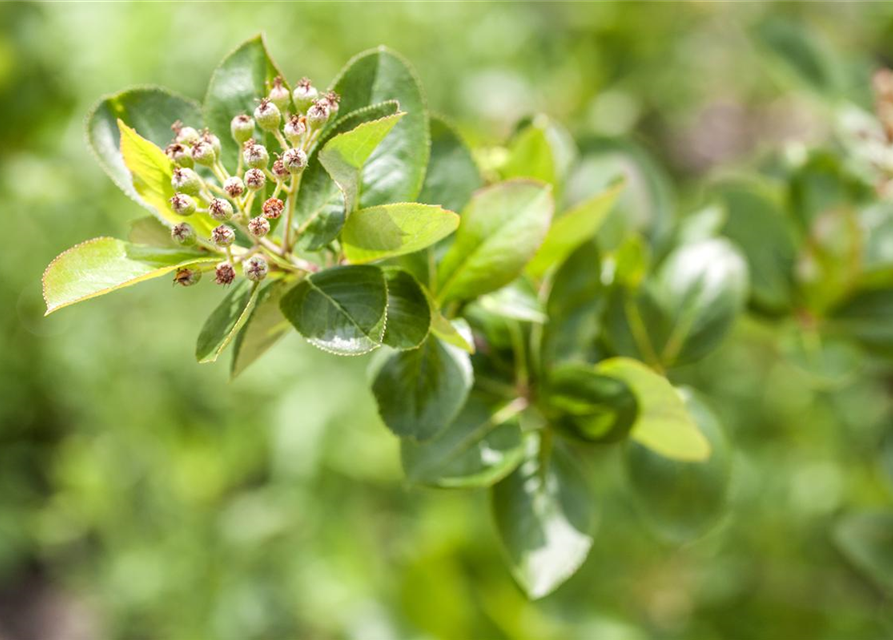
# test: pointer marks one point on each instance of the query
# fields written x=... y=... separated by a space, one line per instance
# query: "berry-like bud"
x=179 y=154
x=182 y=204
x=187 y=277
x=273 y=208
x=223 y=235
x=203 y=153
x=267 y=115
x=186 y=181
x=234 y=187
x=255 y=155
x=333 y=101
x=224 y=273
x=319 y=113
x=213 y=140
x=304 y=94
x=256 y=268
x=279 y=170
x=294 y=129
x=279 y=94
x=255 y=179
x=220 y=209
x=183 y=234
x=242 y=128
x=259 y=226
x=184 y=135
x=294 y=160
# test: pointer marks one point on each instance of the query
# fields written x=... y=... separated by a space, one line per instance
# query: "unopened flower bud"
x=279 y=94
x=179 y=154
x=333 y=101
x=203 y=153
x=294 y=160
x=182 y=205
x=255 y=268
x=267 y=115
x=224 y=273
x=234 y=187
x=184 y=135
x=223 y=236
x=319 y=113
x=186 y=181
x=220 y=209
x=187 y=277
x=279 y=170
x=255 y=179
x=242 y=128
x=259 y=226
x=294 y=129
x=304 y=94
x=183 y=234
x=255 y=155
x=273 y=208
x=213 y=140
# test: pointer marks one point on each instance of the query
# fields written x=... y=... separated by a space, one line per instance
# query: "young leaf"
x=395 y=170
x=264 y=327
x=419 y=392
x=572 y=229
x=344 y=155
x=679 y=499
x=452 y=175
x=226 y=320
x=866 y=539
x=448 y=332
x=245 y=75
x=664 y=424
x=516 y=301
x=481 y=446
x=590 y=406
x=149 y=110
x=545 y=517
x=499 y=231
x=530 y=156
x=101 y=265
x=340 y=310
x=409 y=315
x=390 y=230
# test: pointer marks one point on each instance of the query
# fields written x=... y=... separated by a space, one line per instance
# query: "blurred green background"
x=143 y=496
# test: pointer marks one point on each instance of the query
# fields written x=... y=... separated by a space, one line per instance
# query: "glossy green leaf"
x=264 y=328
x=390 y=230
x=681 y=500
x=571 y=229
x=226 y=320
x=452 y=175
x=241 y=79
x=590 y=406
x=345 y=155
x=481 y=446
x=420 y=392
x=149 y=110
x=866 y=539
x=409 y=313
x=101 y=265
x=664 y=425
x=340 y=310
x=517 y=301
x=396 y=169
x=500 y=230
x=545 y=516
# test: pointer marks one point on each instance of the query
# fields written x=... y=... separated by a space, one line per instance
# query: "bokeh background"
x=143 y=496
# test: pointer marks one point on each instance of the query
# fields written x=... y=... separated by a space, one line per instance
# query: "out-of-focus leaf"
x=226 y=320
x=264 y=327
x=150 y=231
x=390 y=230
x=409 y=313
x=866 y=539
x=793 y=48
x=452 y=175
x=449 y=333
x=517 y=301
x=865 y=317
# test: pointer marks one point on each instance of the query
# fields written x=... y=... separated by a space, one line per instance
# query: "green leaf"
x=681 y=500
x=801 y=56
x=101 y=265
x=866 y=539
x=149 y=110
x=456 y=333
x=226 y=320
x=545 y=516
x=340 y=310
x=244 y=76
x=664 y=424
x=530 y=156
x=409 y=314
x=572 y=229
x=452 y=175
x=517 y=301
x=481 y=446
x=500 y=230
x=392 y=230
x=420 y=392
x=345 y=155
x=865 y=317
x=151 y=231
x=590 y=406
x=396 y=169
x=264 y=327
